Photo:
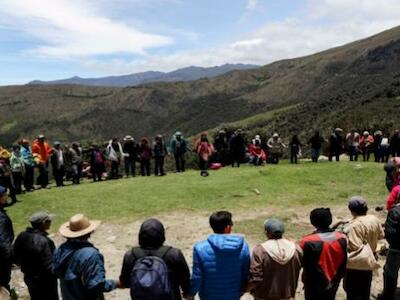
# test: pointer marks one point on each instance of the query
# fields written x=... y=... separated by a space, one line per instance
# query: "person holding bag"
x=365 y=231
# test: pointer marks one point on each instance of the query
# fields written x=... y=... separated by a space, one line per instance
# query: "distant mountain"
x=185 y=74
x=353 y=86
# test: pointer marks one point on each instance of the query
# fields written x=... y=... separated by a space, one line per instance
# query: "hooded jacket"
x=151 y=238
x=80 y=267
x=275 y=268
x=220 y=267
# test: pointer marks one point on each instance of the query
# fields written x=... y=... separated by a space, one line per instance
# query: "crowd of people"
x=223 y=266
x=19 y=164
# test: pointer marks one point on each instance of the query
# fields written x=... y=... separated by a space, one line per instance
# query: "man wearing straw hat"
x=78 y=264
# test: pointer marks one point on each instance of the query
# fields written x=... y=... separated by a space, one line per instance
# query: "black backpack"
x=150 y=277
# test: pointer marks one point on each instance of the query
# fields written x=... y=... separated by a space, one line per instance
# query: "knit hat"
x=321 y=218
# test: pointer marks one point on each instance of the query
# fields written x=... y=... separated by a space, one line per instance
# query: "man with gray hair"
x=33 y=251
x=275 y=265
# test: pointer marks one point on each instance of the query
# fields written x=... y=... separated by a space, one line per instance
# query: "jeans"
x=76 y=173
x=366 y=153
x=390 y=274
x=357 y=284
x=159 y=165
x=28 y=179
x=43 y=178
x=130 y=166
x=180 y=162
x=314 y=154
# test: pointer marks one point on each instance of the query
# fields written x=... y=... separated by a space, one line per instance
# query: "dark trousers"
x=145 y=167
x=315 y=154
x=76 y=173
x=377 y=154
x=274 y=158
x=237 y=158
x=385 y=153
x=59 y=174
x=114 y=169
x=6 y=181
x=5 y=274
x=353 y=153
x=294 y=151
x=366 y=153
x=312 y=292
x=42 y=288
x=203 y=164
x=334 y=153
x=130 y=166
x=390 y=274
x=28 y=179
x=97 y=170
x=357 y=284
x=395 y=152
x=43 y=178
x=159 y=165
x=17 y=178
x=180 y=162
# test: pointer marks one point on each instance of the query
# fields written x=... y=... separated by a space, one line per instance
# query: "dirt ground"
x=182 y=231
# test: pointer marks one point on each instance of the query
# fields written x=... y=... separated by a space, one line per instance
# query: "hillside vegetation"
x=356 y=85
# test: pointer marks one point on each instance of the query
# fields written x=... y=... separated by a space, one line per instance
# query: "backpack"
x=149 y=277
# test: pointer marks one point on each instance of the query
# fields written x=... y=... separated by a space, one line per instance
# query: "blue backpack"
x=149 y=278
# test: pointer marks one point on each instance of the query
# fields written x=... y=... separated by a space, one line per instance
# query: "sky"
x=54 y=39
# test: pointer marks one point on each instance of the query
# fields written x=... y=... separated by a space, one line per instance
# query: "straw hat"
x=128 y=138
x=79 y=225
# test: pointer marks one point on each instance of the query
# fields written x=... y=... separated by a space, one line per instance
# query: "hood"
x=226 y=242
x=63 y=255
x=151 y=234
x=281 y=250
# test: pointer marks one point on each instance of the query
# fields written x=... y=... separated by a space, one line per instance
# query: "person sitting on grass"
x=275 y=265
x=78 y=264
x=220 y=263
x=324 y=257
x=33 y=251
x=151 y=244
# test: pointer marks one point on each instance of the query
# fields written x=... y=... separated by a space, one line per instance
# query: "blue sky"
x=52 y=39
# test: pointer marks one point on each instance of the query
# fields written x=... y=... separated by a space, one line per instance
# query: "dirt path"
x=183 y=229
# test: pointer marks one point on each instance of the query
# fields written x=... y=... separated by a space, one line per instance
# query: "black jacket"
x=159 y=149
x=151 y=238
x=392 y=227
x=6 y=253
x=132 y=149
x=33 y=251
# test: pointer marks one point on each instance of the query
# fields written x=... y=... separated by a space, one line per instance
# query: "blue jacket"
x=27 y=156
x=220 y=267
x=80 y=268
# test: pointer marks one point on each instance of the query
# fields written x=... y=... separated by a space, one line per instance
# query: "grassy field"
x=282 y=187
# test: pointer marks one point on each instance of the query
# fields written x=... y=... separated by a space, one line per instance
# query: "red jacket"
x=43 y=150
x=392 y=197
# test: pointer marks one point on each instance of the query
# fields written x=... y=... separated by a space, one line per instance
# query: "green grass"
x=283 y=186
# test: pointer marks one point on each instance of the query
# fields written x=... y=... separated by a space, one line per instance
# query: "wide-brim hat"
x=79 y=225
x=128 y=138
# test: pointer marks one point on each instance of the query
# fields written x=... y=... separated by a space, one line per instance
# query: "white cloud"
x=251 y=4
x=69 y=28
x=323 y=24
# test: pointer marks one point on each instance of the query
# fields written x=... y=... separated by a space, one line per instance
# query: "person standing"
x=78 y=264
x=76 y=162
x=29 y=165
x=151 y=243
x=97 y=162
x=6 y=239
x=364 y=231
x=43 y=151
x=377 y=145
x=204 y=150
x=220 y=263
x=366 y=145
x=324 y=257
x=58 y=163
x=145 y=154
x=392 y=265
x=385 y=148
x=395 y=143
x=179 y=147
x=335 y=144
x=159 y=151
x=316 y=144
x=6 y=178
x=221 y=145
x=33 y=251
x=18 y=168
x=275 y=265
x=352 y=144
x=131 y=151
x=114 y=155
x=237 y=147
x=294 y=149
